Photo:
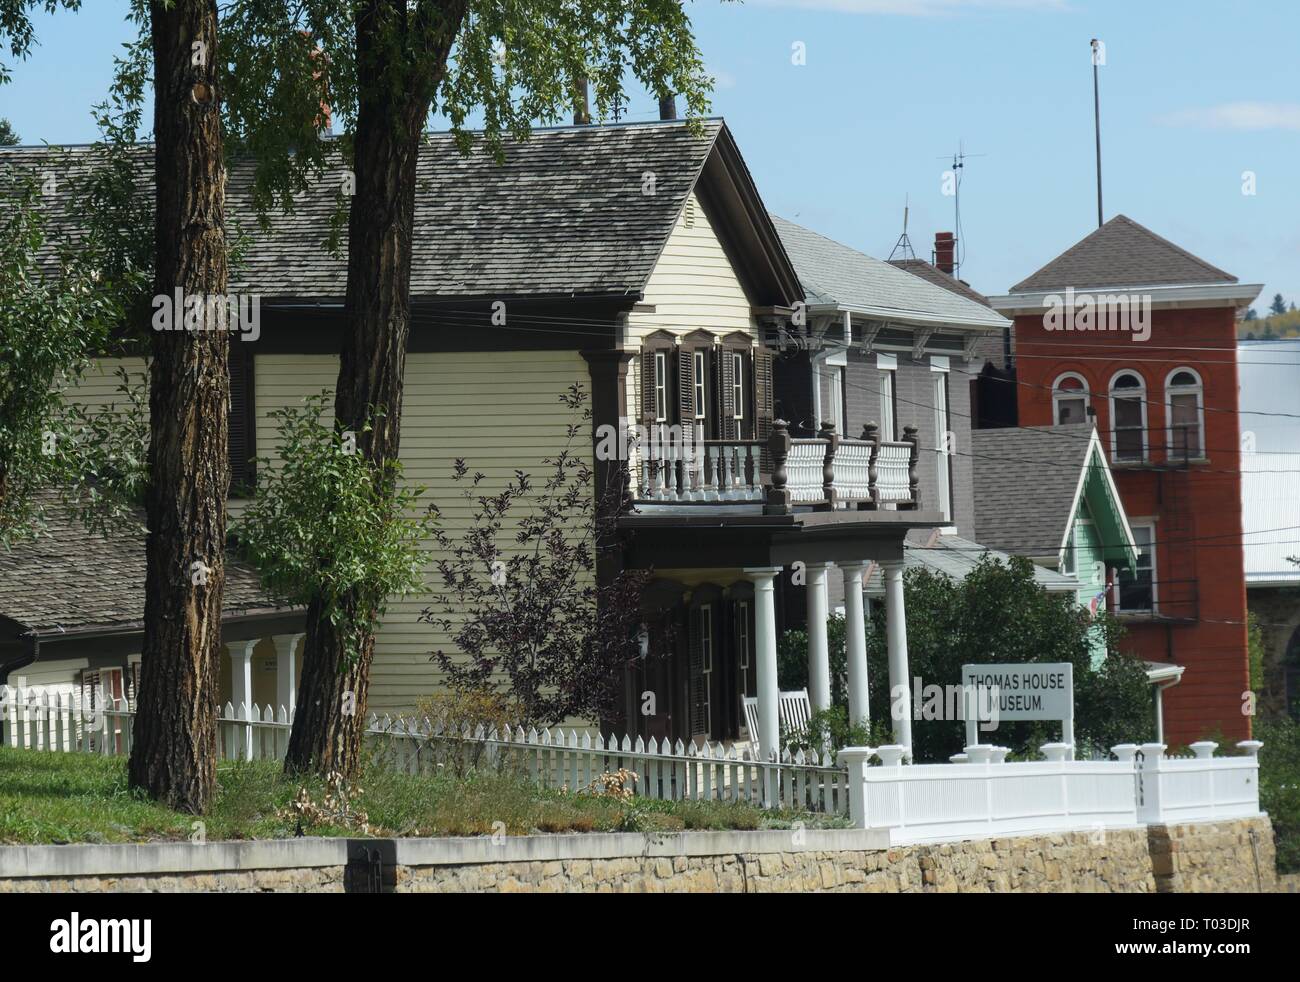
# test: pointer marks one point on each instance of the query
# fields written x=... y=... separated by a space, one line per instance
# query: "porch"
x=721 y=597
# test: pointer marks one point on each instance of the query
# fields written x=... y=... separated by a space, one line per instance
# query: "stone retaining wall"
x=1204 y=857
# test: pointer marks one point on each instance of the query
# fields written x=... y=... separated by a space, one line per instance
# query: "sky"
x=888 y=90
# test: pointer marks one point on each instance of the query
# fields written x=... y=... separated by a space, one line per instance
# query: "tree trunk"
x=394 y=98
x=174 y=752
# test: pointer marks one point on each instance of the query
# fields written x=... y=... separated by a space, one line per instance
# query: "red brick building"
x=1130 y=329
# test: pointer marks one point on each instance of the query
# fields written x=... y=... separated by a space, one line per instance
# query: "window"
x=1070 y=399
x=1185 y=412
x=702 y=672
x=886 y=365
x=738 y=384
x=700 y=401
x=241 y=423
x=837 y=399
x=1128 y=417
x=942 y=446
x=1137 y=590
x=661 y=386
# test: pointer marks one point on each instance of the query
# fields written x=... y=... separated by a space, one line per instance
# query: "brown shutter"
x=727 y=379
x=89 y=690
x=698 y=697
x=763 y=408
x=647 y=387
x=685 y=386
x=241 y=425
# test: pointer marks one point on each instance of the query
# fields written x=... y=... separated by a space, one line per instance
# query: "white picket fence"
x=982 y=795
x=552 y=757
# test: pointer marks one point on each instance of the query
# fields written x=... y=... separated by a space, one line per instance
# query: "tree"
x=8 y=138
x=391 y=61
x=173 y=756
x=999 y=614
x=531 y=619
x=1278 y=306
x=1251 y=315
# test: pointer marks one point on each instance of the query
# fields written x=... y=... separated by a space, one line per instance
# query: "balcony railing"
x=780 y=473
x=1157 y=447
x=1158 y=600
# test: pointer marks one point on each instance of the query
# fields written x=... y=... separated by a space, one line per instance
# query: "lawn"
x=75 y=797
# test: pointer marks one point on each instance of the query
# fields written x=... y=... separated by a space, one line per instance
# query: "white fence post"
x=855 y=759
x=1148 y=772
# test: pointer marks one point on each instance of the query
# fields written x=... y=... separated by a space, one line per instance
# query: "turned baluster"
x=913 y=482
x=778 y=445
x=828 y=463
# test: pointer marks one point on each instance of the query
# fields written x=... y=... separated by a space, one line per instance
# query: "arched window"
x=1128 y=416
x=1184 y=415
x=1070 y=399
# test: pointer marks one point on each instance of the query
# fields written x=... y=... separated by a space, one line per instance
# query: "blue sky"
x=1191 y=98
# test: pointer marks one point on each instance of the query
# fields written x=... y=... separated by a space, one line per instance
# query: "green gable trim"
x=1107 y=512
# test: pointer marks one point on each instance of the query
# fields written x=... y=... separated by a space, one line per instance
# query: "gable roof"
x=570 y=211
x=835 y=275
x=1122 y=253
x=955 y=556
x=69 y=580
x=1033 y=520
x=932 y=273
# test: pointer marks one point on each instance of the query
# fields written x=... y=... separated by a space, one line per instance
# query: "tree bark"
x=175 y=737
x=394 y=99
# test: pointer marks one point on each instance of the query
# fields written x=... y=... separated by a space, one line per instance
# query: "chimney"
x=581 y=106
x=667 y=106
x=945 y=249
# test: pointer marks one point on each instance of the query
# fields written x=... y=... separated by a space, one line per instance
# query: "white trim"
x=1141 y=394
x=886 y=363
x=985 y=321
x=1094 y=447
x=1163 y=295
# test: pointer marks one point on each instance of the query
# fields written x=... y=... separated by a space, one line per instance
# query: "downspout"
x=1160 y=707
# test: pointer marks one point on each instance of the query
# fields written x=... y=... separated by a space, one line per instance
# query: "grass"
x=73 y=797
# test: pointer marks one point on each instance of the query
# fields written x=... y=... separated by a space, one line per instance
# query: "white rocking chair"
x=793 y=707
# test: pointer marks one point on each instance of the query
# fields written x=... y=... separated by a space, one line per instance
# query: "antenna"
x=904 y=244
x=1098 y=58
x=958 y=165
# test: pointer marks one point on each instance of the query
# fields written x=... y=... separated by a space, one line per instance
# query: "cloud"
x=722 y=79
x=913 y=8
x=1239 y=116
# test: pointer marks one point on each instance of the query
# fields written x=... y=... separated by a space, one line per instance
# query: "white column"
x=900 y=684
x=286 y=672
x=855 y=642
x=241 y=686
x=819 y=663
x=769 y=718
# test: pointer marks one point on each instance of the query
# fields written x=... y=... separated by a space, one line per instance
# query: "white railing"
x=893 y=478
x=35 y=720
x=853 y=470
x=982 y=795
x=803 y=466
x=1198 y=788
x=676 y=469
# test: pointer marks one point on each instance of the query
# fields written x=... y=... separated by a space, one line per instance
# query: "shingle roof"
x=932 y=273
x=832 y=273
x=955 y=556
x=1025 y=482
x=71 y=580
x=567 y=212
x=1122 y=253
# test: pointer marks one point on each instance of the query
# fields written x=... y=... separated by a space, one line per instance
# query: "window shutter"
x=89 y=691
x=241 y=443
x=726 y=383
x=698 y=696
x=764 y=412
x=647 y=387
x=685 y=386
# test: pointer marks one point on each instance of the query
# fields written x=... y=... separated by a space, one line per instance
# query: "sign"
x=1019 y=692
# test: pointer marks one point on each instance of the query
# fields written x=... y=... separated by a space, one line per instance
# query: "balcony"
x=1159 y=601
x=1157 y=448
x=779 y=475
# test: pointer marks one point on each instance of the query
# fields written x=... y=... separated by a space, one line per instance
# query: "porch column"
x=769 y=718
x=819 y=665
x=241 y=686
x=855 y=642
x=900 y=685
x=286 y=672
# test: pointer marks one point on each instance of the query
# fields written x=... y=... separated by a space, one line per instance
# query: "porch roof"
x=955 y=556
